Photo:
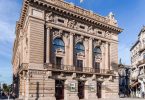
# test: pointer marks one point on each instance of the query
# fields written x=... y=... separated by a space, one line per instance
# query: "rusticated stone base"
x=41 y=98
x=110 y=89
x=39 y=85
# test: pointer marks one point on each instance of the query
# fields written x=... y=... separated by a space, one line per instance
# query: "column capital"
x=107 y=42
x=91 y=38
x=72 y=33
x=48 y=27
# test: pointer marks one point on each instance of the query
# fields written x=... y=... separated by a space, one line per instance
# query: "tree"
x=7 y=89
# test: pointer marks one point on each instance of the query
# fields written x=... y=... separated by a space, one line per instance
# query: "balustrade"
x=69 y=68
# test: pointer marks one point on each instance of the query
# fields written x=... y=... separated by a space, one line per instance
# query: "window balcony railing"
x=68 y=68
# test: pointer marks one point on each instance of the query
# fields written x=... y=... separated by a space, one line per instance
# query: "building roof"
x=134 y=45
x=142 y=30
x=70 y=9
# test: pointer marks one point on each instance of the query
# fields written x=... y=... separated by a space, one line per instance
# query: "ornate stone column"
x=106 y=55
x=66 y=41
x=103 y=56
x=91 y=53
x=71 y=50
x=48 y=45
x=86 y=44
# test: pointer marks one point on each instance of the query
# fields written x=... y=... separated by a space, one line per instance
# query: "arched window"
x=58 y=43
x=97 y=52
x=79 y=48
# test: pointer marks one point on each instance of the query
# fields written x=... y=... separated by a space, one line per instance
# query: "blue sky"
x=129 y=13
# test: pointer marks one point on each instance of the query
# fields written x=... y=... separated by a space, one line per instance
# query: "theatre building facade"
x=64 y=52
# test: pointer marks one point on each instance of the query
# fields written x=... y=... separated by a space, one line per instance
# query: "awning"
x=134 y=84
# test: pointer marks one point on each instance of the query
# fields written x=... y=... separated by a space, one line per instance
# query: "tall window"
x=97 y=65
x=79 y=48
x=144 y=56
x=79 y=63
x=58 y=60
x=58 y=44
x=97 y=52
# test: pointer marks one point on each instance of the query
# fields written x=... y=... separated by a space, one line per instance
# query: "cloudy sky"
x=130 y=16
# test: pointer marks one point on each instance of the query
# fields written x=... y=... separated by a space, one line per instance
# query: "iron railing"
x=68 y=68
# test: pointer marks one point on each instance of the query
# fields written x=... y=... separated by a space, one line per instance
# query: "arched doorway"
x=81 y=89
x=59 y=89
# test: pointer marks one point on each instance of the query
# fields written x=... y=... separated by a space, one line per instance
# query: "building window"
x=58 y=60
x=79 y=63
x=79 y=48
x=97 y=52
x=58 y=44
x=144 y=56
x=61 y=20
x=99 y=32
x=97 y=65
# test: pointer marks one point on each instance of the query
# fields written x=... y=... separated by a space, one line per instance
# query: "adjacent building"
x=62 y=51
x=124 y=80
x=138 y=66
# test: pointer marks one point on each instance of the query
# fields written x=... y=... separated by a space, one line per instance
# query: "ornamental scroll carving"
x=90 y=30
x=49 y=17
x=71 y=23
x=107 y=34
x=79 y=39
x=97 y=43
x=57 y=34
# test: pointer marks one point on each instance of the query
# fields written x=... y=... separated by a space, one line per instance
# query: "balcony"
x=87 y=70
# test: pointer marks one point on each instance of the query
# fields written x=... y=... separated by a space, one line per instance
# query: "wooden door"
x=59 y=89
x=81 y=87
x=99 y=89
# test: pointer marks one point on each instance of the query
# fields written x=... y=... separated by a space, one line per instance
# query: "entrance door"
x=59 y=89
x=99 y=89
x=81 y=86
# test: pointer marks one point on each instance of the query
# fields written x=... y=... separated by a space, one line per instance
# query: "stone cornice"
x=80 y=32
x=71 y=10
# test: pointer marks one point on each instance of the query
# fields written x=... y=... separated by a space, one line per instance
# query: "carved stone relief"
x=57 y=34
x=49 y=17
x=97 y=43
x=71 y=23
x=90 y=30
x=79 y=39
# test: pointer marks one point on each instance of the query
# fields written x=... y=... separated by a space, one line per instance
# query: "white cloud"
x=81 y=1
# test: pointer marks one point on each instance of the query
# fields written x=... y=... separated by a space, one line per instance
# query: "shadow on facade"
x=37 y=91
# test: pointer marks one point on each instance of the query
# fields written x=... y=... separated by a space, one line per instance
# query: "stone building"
x=138 y=66
x=124 y=80
x=62 y=51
